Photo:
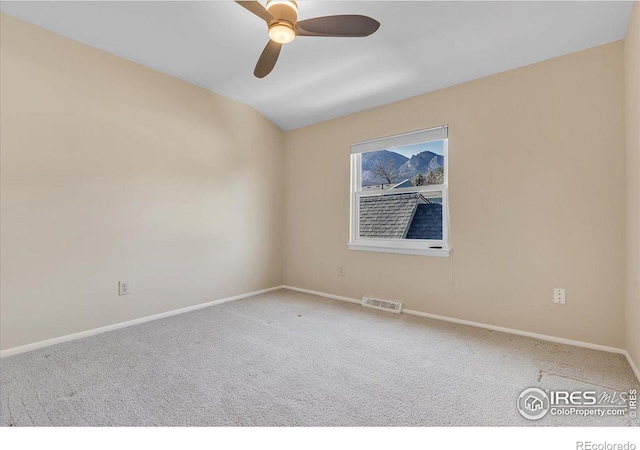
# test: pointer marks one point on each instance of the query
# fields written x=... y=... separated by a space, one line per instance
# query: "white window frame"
x=403 y=246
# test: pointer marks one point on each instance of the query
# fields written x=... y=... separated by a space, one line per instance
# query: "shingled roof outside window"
x=387 y=216
x=400 y=216
x=427 y=222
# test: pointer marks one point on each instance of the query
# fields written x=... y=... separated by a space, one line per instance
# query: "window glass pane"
x=411 y=165
x=415 y=215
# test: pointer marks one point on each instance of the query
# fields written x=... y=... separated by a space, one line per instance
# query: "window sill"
x=404 y=250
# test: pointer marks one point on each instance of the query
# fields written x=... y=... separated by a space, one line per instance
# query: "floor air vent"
x=385 y=305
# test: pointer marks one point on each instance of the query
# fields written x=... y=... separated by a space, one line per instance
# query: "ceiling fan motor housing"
x=283 y=10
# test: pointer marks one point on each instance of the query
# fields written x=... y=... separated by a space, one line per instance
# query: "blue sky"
x=436 y=147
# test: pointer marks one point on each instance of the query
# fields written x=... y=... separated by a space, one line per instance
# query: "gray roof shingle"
x=400 y=216
x=388 y=216
x=427 y=222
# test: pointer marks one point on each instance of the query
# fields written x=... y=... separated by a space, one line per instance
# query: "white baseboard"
x=322 y=294
x=128 y=323
x=633 y=366
x=543 y=337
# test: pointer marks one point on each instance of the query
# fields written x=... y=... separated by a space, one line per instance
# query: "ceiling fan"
x=281 y=17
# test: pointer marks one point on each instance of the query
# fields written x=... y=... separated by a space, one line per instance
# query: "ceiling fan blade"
x=338 y=26
x=258 y=10
x=267 y=59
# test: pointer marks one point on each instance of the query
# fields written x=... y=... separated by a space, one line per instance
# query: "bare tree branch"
x=386 y=172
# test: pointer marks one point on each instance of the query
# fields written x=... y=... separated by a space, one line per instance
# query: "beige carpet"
x=286 y=358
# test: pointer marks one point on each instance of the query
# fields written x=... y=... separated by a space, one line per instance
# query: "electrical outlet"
x=341 y=271
x=559 y=296
x=123 y=288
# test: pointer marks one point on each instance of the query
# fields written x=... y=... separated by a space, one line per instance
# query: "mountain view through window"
x=411 y=165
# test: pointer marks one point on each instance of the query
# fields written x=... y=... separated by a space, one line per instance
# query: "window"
x=399 y=194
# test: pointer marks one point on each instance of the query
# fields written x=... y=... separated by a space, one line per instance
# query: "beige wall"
x=537 y=201
x=112 y=171
x=632 y=116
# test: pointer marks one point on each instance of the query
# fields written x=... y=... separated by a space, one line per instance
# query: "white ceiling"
x=420 y=46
